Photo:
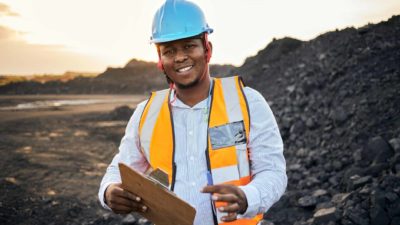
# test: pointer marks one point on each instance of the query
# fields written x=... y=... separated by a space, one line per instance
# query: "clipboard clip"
x=159 y=177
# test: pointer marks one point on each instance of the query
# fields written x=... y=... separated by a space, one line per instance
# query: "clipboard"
x=164 y=207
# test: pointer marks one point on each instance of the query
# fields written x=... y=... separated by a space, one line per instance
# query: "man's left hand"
x=234 y=197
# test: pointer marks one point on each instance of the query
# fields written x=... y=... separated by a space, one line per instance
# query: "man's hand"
x=234 y=197
x=122 y=201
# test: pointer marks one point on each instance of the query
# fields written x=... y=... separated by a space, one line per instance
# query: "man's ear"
x=208 y=51
x=159 y=63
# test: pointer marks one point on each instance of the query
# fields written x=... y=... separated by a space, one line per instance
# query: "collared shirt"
x=268 y=166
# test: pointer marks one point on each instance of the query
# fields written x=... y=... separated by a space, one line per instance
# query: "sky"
x=54 y=36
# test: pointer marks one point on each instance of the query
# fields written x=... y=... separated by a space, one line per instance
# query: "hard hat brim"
x=178 y=36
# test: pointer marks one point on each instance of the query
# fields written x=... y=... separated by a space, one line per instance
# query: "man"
x=217 y=140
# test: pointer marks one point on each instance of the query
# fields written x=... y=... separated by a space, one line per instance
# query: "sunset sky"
x=54 y=36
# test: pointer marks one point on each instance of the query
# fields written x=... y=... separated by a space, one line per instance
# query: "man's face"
x=184 y=61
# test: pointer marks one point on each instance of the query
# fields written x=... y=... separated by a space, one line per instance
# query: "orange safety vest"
x=227 y=164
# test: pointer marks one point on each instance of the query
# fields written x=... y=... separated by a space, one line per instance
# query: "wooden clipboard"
x=164 y=207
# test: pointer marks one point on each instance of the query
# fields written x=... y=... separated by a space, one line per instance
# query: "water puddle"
x=54 y=104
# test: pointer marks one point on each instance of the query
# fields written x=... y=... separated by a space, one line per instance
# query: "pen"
x=209 y=178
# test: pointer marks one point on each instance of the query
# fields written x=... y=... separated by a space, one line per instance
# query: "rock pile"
x=337 y=101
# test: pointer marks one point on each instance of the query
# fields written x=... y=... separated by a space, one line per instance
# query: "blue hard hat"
x=178 y=19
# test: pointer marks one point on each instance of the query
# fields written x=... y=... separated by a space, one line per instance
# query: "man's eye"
x=167 y=52
x=189 y=46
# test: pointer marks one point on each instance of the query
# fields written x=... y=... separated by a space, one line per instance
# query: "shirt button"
x=193 y=184
x=190 y=133
x=191 y=158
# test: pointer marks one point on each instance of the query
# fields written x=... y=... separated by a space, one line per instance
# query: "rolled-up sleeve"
x=129 y=153
x=268 y=165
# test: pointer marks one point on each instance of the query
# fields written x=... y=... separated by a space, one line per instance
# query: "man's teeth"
x=184 y=69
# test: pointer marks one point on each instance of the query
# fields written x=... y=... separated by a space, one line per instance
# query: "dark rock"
x=394 y=208
x=379 y=216
x=302 y=152
x=376 y=169
x=366 y=190
x=307 y=201
x=319 y=193
x=323 y=216
x=294 y=167
x=337 y=165
x=391 y=196
x=298 y=127
x=311 y=123
x=340 y=197
x=357 y=155
x=296 y=177
x=378 y=198
x=377 y=150
x=339 y=115
x=265 y=222
x=395 y=143
x=328 y=167
x=129 y=220
x=395 y=220
x=356 y=182
x=395 y=161
x=334 y=181
x=291 y=88
x=396 y=168
x=352 y=171
x=325 y=204
x=311 y=181
x=144 y=221
x=356 y=216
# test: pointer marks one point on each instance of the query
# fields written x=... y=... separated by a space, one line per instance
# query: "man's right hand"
x=122 y=201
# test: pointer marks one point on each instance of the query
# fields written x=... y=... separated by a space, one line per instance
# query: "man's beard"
x=189 y=85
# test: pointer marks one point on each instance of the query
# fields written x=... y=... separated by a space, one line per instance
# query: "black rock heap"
x=337 y=102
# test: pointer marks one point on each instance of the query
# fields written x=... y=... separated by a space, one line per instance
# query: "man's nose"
x=180 y=56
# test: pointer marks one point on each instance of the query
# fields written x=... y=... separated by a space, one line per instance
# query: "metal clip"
x=160 y=177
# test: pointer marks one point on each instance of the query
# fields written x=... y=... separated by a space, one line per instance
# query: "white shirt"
x=268 y=166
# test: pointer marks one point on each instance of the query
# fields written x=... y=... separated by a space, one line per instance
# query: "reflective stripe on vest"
x=156 y=124
x=228 y=165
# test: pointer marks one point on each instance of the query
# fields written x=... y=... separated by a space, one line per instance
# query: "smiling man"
x=216 y=139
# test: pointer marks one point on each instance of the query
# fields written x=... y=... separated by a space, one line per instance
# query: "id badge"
x=227 y=135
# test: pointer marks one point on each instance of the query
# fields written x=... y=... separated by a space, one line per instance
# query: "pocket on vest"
x=230 y=134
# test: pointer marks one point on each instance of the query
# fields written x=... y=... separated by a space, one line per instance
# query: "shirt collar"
x=179 y=104
x=201 y=105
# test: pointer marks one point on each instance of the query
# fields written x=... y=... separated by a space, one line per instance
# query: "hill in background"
x=136 y=77
x=44 y=78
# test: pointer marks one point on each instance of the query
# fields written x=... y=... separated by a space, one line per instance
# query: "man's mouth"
x=184 y=69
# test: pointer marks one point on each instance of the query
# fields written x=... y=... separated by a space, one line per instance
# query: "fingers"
x=230 y=217
x=214 y=189
x=126 y=194
x=221 y=189
x=230 y=208
x=123 y=202
x=234 y=199
x=225 y=197
x=123 y=205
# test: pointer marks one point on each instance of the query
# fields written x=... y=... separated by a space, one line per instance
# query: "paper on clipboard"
x=164 y=207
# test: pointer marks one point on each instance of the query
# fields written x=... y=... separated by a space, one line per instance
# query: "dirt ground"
x=51 y=164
